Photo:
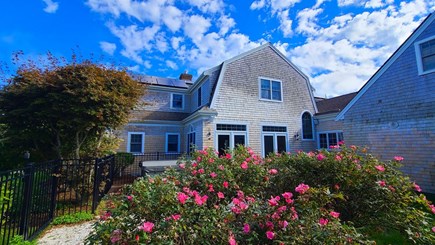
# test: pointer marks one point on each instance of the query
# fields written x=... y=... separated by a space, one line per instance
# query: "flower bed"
x=336 y=197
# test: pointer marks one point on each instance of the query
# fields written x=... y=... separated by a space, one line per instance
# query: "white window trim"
x=178 y=143
x=172 y=100
x=327 y=140
x=129 y=141
x=259 y=89
x=275 y=141
x=312 y=127
x=419 y=58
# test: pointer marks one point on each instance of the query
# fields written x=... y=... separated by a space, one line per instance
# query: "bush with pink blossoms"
x=240 y=198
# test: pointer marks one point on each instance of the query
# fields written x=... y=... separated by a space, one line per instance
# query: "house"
x=328 y=130
x=258 y=98
x=394 y=112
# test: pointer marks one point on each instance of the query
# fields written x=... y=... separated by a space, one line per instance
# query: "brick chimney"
x=185 y=76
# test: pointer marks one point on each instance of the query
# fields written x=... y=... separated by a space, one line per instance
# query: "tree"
x=61 y=108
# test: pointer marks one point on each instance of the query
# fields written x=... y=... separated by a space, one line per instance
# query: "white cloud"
x=175 y=42
x=108 y=47
x=285 y=23
x=278 y=5
x=257 y=4
x=208 y=6
x=161 y=43
x=225 y=23
x=307 y=20
x=173 y=18
x=171 y=65
x=134 y=39
x=195 y=27
x=51 y=7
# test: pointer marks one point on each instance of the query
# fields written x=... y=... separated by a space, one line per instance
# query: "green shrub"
x=72 y=218
x=19 y=240
x=305 y=198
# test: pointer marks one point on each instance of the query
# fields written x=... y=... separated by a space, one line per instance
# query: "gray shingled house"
x=258 y=98
x=394 y=112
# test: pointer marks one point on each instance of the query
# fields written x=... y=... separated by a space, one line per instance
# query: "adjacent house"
x=394 y=112
x=258 y=98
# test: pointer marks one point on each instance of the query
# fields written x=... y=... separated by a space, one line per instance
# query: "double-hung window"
x=328 y=139
x=172 y=142
x=136 y=142
x=425 y=52
x=177 y=101
x=270 y=89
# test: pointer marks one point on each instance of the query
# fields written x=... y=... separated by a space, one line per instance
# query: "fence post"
x=29 y=172
x=54 y=184
x=96 y=191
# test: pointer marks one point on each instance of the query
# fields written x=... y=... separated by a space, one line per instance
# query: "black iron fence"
x=31 y=197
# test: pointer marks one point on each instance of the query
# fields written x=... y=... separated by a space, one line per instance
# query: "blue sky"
x=339 y=44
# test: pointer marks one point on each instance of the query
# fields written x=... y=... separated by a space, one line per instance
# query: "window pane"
x=265 y=94
x=268 y=144
x=177 y=101
x=223 y=143
x=276 y=86
x=172 y=143
x=231 y=127
x=332 y=139
x=265 y=84
x=265 y=89
x=429 y=63
x=239 y=140
x=428 y=55
x=307 y=126
x=340 y=136
x=274 y=129
x=199 y=96
x=281 y=143
x=323 y=143
x=136 y=143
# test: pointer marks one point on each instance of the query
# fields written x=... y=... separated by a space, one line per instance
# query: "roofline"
x=242 y=55
x=405 y=45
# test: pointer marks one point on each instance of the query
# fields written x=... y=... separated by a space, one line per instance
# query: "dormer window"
x=177 y=101
x=425 y=52
x=270 y=89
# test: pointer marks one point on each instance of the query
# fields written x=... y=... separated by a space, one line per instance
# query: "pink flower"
x=244 y=165
x=320 y=157
x=225 y=184
x=232 y=240
x=200 y=200
x=417 y=187
x=211 y=160
x=147 y=227
x=130 y=198
x=334 y=146
x=220 y=195
x=323 y=222
x=302 y=188
x=338 y=158
x=273 y=201
x=210 y=188
x=283 y=224
x=198 y=159
x=334 y=214
x=433 y=229
x=213 y=175
x=228 y=156
x=182 y=165
x=398 y=158
x=243 y=205
x=270 y=235
x=287 y=195
x=380 y=168
x=176 y=217
x=341 y=142
x=182 y=197
x=432 y=208
x=194 y=164
x=246 y=228
x=381 y=183
x=273 y=171
x=201 y=171
x=221 y=167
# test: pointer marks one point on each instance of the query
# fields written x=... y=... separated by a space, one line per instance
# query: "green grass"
x=72 y=218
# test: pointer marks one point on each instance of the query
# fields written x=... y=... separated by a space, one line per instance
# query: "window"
x=274 y=139
x=177 y=101
x=136 y=142
x=307 y=126
x=425 y=51
x=270 y=90
x=229 y=136
x=199 y=96
x=327 y=139
x=172 y=142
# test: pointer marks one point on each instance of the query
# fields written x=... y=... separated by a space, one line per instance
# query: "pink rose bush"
x=331 y=197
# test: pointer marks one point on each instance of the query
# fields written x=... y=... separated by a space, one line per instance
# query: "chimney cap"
x=185 y=76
